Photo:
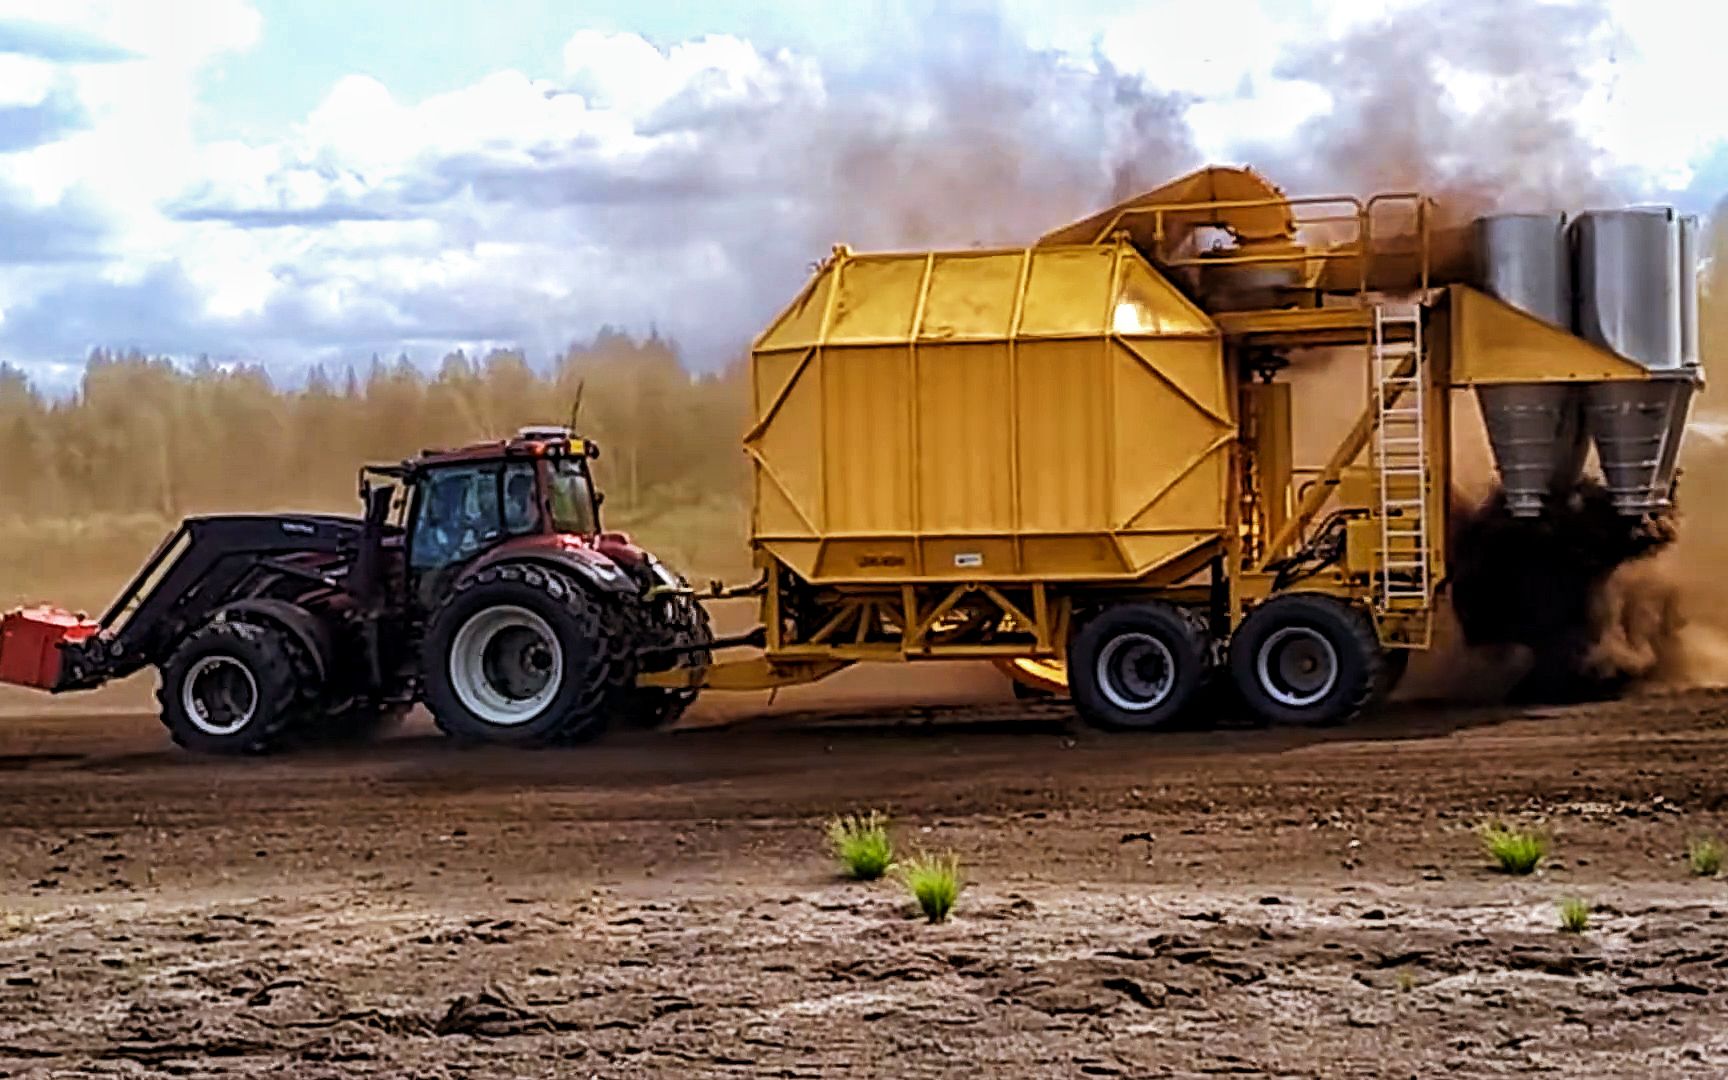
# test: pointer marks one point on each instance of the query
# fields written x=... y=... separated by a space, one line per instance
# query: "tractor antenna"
x=576 y=405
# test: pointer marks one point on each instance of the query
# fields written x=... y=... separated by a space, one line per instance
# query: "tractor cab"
x=447 y=508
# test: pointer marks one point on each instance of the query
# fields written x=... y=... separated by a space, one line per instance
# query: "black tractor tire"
x=682 y=622
x=1134 y=667
x=1308 y=659
x=234 y=687
x=522 y=624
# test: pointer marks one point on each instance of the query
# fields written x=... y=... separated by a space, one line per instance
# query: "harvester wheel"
x=517 y=654
x=232 y=688
x=1136 y=666
x=1304 y=658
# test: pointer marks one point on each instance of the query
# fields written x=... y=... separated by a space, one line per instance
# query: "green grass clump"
x=1704 y=856
x=862 y=844
x=1574 y=915
x=1515 y=851
x=934 y=882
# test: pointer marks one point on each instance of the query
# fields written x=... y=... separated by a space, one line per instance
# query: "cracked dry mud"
x=1253 y=902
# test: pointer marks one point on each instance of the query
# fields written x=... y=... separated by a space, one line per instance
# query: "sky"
x=299 y=182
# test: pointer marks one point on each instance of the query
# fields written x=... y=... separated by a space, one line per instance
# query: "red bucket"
x=30 y=644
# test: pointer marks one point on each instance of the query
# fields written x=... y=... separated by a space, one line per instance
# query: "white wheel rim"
x=1136 y=672
x=505 y=665
x=219 y=695
x=1297 y=666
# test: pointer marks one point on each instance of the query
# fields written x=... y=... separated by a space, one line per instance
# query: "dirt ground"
x=1250 y=902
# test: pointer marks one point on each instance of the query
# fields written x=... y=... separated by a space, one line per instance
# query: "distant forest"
x=145 y=436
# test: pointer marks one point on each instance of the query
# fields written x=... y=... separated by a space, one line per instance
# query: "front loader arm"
x=205 y=564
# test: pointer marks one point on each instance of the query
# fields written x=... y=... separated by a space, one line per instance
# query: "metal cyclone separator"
x=1535 y=429
x=1625 y=281
x=1637 y=296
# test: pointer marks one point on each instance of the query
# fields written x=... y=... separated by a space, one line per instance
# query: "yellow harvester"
x=1076 y=459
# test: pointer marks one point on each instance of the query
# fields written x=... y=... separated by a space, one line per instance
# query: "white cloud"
x=686 y=186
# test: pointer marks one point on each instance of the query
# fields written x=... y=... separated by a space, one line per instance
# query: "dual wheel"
x=236 y=686
x=1295 y=659
x=523 y=654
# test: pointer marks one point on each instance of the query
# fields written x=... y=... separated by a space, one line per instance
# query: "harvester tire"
x=1136 y=666
x=1305 y=658
x=517 y=654
x=233 y=688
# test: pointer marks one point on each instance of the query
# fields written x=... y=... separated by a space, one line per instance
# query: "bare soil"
x=1255 y=902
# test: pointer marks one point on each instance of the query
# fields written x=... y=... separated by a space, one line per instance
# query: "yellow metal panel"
x=789 y=469
x=1194 y=500
x=1253 y=206
x=1153 y=549
x=1068 y=291
x=867 y=439
x=971 y=296
x=967 y=558
x=1091 y=555
x=1147 y=304
x=776 y=514
x=890 y=558
x=877 y=298
x=800 y=555
x=1168 y=435
x=964 y=479
x=800 y=325
x=1356 y=486
x=1267 y=424
x=1064 y=435
x=972 y=416
x=1493 y=342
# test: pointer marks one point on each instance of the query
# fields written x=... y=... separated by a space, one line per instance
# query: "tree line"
x=142 y=435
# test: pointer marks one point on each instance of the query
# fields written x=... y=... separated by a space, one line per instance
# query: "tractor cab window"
x=521 y=499
x=464 y=509
x=573 y=509
x=457 y=516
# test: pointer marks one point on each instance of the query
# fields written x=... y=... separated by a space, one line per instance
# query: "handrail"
x=1364 y=246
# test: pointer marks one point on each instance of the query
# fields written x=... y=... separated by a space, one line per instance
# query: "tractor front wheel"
x=516 y=655
x=233 y=688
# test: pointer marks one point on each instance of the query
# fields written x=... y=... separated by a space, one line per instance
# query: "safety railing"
x=1369 y=246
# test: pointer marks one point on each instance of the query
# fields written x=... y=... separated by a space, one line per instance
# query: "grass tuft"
x=1515 y=851
x=1704 y=856
x=1574 y=915
x=862 y=845
x=934 y=882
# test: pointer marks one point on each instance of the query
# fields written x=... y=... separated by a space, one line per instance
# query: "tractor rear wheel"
x=1136 y=666
x=233 y=688
x=517 y=654
x=1305 y=658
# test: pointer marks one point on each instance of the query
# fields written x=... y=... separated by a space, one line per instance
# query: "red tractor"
x=479 y=582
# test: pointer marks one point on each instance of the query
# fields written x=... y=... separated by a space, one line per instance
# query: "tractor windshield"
x=573 y=498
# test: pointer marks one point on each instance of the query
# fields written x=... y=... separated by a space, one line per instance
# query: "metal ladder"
x=1401 y=459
